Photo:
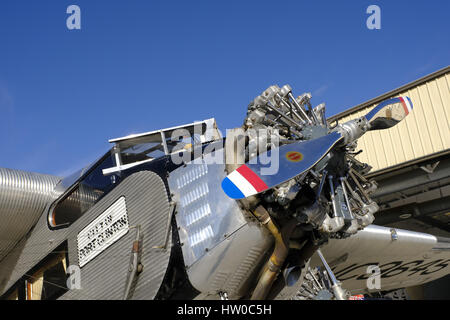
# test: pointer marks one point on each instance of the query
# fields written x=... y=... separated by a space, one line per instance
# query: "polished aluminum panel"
x=233 y=264
x=205 y=214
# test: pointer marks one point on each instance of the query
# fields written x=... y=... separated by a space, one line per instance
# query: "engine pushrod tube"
x=346 y=196
x=287 y=105
x=333 y=200
x=322 y=182
x=280 y=113
x=325 y=264
x=300 y=108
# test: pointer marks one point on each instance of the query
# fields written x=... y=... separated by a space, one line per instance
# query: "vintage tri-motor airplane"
x=279 y=209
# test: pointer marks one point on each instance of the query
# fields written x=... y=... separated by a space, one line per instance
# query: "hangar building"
x=411 y=162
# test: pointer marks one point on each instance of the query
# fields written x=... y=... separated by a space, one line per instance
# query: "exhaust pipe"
x=276 y=261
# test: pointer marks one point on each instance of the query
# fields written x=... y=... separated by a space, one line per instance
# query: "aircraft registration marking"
x=392 y=269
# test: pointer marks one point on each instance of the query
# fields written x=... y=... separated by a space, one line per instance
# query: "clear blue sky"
x=144 y=65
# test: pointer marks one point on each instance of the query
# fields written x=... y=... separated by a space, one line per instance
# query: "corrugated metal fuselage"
x=106 y=275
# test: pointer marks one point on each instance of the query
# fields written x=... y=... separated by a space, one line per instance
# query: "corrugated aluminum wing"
x=408 y=259
x=23 y=198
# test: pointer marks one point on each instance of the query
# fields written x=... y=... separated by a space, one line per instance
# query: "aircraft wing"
x=405 y=258
x=23 y=198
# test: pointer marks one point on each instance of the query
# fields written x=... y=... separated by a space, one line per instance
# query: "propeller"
x=299 y=157
x=388 y=113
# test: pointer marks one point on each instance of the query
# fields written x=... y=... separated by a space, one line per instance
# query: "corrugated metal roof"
x=423 y=133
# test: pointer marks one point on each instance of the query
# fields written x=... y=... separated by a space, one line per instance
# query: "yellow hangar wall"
x=424 y=133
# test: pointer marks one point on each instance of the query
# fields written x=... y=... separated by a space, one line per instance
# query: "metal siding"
x=104 y=277
x=424 y=132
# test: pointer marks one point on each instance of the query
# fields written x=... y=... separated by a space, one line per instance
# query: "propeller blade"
x=294 y=159
x=298 y=157
x=388 y=113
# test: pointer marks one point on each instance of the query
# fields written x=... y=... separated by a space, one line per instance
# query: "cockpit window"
x=141 y=149
x=69 y=180
x=83 y=195
x=158 y=144
x=130 y=151
x=136 y=149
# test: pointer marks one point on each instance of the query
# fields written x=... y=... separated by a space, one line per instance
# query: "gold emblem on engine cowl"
x=294 y=156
